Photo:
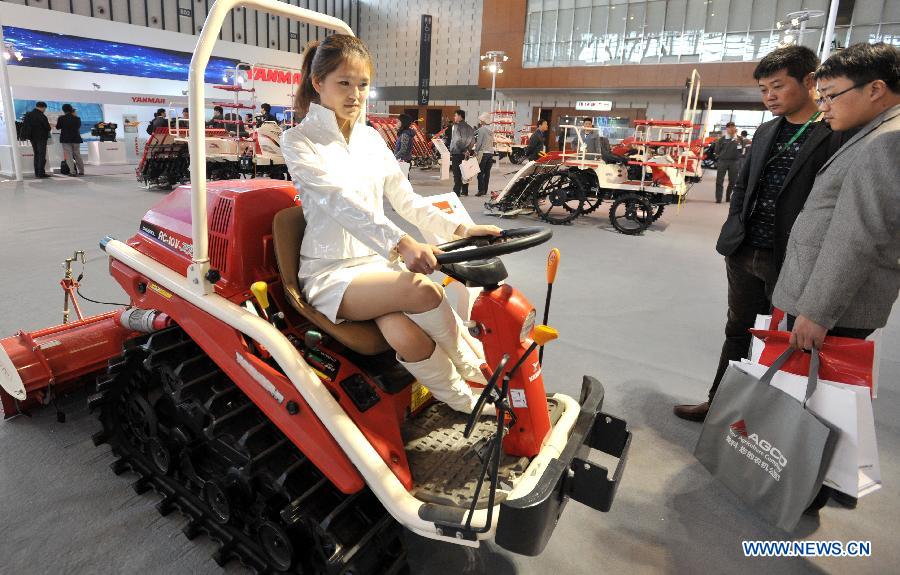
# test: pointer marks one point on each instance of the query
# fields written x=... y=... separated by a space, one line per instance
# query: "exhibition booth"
x=121 y=74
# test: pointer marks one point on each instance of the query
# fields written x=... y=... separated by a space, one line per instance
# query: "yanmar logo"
x=147 y=100
x=767 y=456
x=263 y=74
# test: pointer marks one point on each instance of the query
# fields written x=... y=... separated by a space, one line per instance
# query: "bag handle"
x=813 y=378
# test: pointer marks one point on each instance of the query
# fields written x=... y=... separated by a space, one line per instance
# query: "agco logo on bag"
x=763 y=453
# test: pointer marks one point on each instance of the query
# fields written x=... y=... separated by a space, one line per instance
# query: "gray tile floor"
x=643 y=314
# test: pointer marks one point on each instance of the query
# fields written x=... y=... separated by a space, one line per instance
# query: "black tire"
x=517 y=155
x=659 y=212
x=631 y=214
x=558 y=197
x=592 y=194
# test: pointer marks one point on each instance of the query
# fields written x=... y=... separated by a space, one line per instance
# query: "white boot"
x=438 y=374
x=445 y=328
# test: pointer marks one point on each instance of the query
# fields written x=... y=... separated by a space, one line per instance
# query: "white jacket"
x=342 y=187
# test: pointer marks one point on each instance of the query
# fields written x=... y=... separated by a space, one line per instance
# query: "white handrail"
x=196 y=107
x=693 y=97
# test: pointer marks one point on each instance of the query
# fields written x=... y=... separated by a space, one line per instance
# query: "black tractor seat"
x=363 y=337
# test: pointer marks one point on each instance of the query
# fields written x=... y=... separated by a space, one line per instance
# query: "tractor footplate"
x=526 y=523
x=445 y=465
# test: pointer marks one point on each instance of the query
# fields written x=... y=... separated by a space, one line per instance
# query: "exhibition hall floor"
x=645 y=315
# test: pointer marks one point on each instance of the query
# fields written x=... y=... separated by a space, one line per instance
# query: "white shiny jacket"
x=342 y=187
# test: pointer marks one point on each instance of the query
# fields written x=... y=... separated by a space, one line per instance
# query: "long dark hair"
x=321 y=58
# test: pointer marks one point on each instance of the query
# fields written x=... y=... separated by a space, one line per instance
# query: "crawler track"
x=175 y=420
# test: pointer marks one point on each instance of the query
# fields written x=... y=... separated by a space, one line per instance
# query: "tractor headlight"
x=527 y=326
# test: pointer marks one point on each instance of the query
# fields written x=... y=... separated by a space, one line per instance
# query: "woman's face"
x=345 y=90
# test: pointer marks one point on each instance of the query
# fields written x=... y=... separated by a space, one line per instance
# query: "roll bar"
x=692 y=101
x=199 y=267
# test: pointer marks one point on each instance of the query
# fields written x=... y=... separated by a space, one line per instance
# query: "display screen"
x=64 y=52
x=89 y=113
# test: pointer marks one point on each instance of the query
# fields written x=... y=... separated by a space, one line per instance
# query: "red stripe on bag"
x=842 y=359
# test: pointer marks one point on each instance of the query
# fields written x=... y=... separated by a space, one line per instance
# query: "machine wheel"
x=631 y=214
x=211 y=454
x=592 y=194
x=558 y=197
x=659 y=212
x=517 y=155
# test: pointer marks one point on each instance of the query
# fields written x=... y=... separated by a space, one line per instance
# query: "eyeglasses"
x=829 y=98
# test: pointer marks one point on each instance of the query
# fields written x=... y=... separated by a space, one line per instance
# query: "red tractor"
x=300 y=445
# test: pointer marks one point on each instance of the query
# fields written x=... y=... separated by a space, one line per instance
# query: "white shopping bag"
x=469 y=169
x=854 y=468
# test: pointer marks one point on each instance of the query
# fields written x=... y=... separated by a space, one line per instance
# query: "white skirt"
x=324 y=281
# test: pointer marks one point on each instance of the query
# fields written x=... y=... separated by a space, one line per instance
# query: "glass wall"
x=592 y=32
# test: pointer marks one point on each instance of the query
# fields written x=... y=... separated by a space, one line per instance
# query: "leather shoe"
x=692 y=412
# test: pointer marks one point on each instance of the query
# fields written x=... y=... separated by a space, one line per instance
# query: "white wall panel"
x=82 y=7
x=170 y=14
x=391 y=30
x=154 y=10
x=138 y=12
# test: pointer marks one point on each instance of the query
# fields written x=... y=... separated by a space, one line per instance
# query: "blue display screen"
x=64 y=52
x=89 y=113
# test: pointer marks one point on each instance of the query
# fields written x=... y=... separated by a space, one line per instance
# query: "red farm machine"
x=299 y=445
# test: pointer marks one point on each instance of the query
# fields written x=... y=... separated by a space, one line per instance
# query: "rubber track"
x=229 y=438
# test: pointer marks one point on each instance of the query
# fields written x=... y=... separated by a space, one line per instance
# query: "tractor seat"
x=363 y=337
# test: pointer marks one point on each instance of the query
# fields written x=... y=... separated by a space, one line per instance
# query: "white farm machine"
x=654 y=168
x=235 y=148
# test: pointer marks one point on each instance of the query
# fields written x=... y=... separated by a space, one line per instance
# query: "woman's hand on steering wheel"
x=478 y=230
x=418 y=257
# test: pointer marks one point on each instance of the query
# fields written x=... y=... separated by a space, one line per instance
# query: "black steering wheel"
x=484 y=247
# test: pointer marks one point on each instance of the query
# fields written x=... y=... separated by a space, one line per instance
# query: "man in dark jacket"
x=159 y=121
x=729 y=150
x=537 y=143
x=265 y=115
x=36 y=128
x=69 y=126
x=773 y=185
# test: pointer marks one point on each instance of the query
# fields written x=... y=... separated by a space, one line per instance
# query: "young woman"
x=355 y=264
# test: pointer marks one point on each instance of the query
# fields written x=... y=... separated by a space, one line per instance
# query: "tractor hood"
x=240 y=217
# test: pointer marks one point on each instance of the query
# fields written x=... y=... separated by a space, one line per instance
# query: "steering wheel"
x=484 y=247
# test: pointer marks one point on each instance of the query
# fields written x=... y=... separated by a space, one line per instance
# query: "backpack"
x=26 y=129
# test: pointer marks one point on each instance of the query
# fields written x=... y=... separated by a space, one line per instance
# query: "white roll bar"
x=693 y=97
x=196 y=77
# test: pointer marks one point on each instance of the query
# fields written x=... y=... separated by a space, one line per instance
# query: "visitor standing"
x=771 y=190
x=69 y=126
x=462 y=138
x=36 y=129
x=484 y=152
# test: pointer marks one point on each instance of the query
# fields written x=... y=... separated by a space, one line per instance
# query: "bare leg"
x=410 y=342
x=390 y=298
x=384 y=296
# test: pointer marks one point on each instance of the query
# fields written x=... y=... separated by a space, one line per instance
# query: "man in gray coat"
x=729 y=150
x=841 y=273
x=462 y=140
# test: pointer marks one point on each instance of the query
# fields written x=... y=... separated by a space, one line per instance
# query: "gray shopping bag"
x=764 y=445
